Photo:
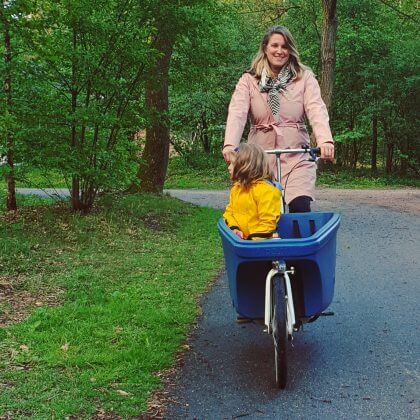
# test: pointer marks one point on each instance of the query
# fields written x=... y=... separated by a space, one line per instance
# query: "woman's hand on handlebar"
x=327 y=151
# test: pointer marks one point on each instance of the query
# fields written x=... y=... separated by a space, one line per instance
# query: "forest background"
x=94 y=91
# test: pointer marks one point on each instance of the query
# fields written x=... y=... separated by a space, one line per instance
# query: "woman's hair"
x=260 y=61
x=250 y=163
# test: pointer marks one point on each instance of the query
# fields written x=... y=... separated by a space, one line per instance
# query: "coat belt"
x=268 y=127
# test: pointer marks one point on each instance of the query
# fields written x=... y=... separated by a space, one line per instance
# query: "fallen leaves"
x=65 y=347
x=16 y=302
x=123 y=393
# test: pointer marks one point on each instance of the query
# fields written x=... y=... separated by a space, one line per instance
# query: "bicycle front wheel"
x=279 y=329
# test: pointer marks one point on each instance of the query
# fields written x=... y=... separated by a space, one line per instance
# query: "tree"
x=170 y=20
x=8 y=116
x=89 y=64
x=328 y=40
x=152 y=169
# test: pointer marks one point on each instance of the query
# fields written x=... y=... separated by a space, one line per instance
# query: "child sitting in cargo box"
x=254 y=204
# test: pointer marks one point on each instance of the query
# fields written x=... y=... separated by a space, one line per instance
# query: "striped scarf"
x=274 y=87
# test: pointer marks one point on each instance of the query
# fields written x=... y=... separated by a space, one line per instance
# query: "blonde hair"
x=260 y=61
x=250 y=163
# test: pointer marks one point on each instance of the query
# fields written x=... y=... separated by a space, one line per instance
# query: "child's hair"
x=250 y=163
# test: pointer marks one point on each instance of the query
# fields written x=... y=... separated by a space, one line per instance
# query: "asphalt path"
x=360 y=363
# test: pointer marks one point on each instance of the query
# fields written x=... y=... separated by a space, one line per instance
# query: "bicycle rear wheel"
x=279 y=328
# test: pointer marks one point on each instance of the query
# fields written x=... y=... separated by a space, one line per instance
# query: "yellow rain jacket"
x=254 y=211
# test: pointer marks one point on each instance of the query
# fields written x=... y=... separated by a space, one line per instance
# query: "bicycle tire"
x=279 y=330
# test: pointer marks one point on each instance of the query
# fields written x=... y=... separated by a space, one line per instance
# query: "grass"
x=38 y=178
x=212 y=174
x=362 y=178
x=126 y=279
x=209 y=174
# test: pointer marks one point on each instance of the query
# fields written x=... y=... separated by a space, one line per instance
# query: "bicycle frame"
x=279 y=267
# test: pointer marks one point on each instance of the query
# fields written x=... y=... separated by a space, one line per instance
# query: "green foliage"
x=206 y=172
x=78 y=79
x=376 y=68
x=126 y=298
x=79 y=71
x=206 y=65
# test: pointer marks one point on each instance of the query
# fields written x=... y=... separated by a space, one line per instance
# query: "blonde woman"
x=276 y=93
x=254 y=203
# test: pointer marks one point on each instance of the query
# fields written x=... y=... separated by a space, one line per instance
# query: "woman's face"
x=277 y=52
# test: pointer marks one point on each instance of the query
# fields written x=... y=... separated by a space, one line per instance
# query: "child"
x=254 y=204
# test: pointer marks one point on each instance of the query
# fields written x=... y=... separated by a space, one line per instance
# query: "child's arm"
x=230 y=219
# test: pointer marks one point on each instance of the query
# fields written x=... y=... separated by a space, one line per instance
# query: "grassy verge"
x=362 y=178
x=212 y=174
x=36 y=178
x=126 y=280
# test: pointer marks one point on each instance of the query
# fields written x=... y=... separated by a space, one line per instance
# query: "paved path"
x=361 y=363
x=45 y=192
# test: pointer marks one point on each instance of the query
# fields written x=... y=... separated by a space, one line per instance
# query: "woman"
x=277 y=93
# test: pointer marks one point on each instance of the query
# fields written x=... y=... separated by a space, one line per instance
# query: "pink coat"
x=301 y=98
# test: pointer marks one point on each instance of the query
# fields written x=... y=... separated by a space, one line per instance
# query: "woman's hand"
x=226 y=151
x=327 y=151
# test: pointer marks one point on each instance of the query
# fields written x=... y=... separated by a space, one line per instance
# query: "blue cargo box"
x=308 y=243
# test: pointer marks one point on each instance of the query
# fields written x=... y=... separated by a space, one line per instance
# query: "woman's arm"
x=317 y=114
x=237 y=116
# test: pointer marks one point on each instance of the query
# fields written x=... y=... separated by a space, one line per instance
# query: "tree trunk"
x=75 y=183
x=328 y=40
x=374 y=150
x=389 y=157
x=355 y=154
x=339 y=153
x=328 y=55
x=205 y=140
x=152 y=170
x=404 y=152
x=7 y=88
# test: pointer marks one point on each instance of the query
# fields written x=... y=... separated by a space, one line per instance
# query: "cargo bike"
x=285 y=282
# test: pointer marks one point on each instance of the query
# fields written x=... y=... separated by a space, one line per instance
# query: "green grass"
x=23 y=200
x=212 y=173
x=362 y=178
x=127 y=277
x=209 y=174
x=37 y=178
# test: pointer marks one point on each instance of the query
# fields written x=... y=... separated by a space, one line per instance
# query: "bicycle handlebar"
x=313 y=151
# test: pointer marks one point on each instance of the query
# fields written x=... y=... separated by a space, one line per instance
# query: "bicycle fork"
x=279 y=267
